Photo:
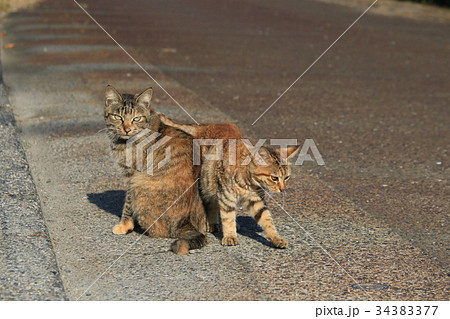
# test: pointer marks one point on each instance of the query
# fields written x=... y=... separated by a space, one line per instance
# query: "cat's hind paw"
x=230 y=241
x=213 y=228
x=279 y=242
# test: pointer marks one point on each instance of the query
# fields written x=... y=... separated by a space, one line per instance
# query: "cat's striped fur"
x=165 y=203
x=227 y=185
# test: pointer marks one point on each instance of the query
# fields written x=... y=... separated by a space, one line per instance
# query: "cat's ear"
x=112 y=96
x=258 y=153
x=145 y=98
x=286 y=154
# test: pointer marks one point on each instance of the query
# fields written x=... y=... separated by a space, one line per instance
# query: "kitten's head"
x=125 y=114
x=273 y=173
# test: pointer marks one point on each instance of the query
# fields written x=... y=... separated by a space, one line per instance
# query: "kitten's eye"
x=137 y=119
x=117 y=117
x=286 y=178
x=274 y=178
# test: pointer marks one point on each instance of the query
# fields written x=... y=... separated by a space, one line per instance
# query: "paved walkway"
x=56 y=67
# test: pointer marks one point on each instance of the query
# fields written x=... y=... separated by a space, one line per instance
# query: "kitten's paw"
x=230 y=241
x=122 y=228
x=279 y=242
x=213 y=228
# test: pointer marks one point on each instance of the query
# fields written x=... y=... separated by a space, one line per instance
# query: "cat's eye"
x=286 y=178
x=117 y=117
x=137 y=119
x=274 y=178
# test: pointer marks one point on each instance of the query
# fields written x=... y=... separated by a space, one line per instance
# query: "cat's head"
x=125 y=114
x=272 y=170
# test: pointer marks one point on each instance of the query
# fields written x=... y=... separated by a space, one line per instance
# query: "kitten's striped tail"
x=188 y=128
x=188 y=240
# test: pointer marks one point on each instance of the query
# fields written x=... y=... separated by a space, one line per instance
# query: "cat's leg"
x=257 y=208
x=126 y=222
x=228 y=218
x=212 y=212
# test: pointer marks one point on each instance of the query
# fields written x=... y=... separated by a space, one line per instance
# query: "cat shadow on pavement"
x=248 y=227
x=112 y=202
x=109 y=201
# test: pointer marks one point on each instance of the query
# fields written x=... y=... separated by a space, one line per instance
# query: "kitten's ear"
x=258 y=155
x=292 y=151
x=112 y=96
x=286 y=154
x=145 y=97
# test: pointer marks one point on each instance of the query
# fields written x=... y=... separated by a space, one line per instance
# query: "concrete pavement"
x=28 y=267
x=57 y=70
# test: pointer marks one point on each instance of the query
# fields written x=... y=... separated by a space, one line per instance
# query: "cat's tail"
x=188 y=128
x=188 y=240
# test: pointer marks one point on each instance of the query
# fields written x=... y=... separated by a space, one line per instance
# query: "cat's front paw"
x=121 y=229
x=279 y=242
x=230 y=241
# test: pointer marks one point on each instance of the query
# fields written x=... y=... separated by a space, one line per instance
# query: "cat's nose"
x=127 y=129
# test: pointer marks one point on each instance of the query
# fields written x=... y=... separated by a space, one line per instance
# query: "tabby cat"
x=226 y=185
x=167 y=202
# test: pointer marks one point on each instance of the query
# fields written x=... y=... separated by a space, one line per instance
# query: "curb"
x=28 y=267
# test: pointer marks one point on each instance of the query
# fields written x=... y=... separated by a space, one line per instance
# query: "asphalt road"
x=376 y=105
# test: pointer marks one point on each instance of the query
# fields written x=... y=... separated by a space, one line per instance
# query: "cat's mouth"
x=125 y=136
x=269 y=189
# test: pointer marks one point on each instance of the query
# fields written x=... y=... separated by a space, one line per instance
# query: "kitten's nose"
x=127 y=129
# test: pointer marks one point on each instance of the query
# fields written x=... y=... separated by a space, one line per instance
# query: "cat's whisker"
x=104 y=130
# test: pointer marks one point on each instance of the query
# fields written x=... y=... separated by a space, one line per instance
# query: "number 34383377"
x=406 y=310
